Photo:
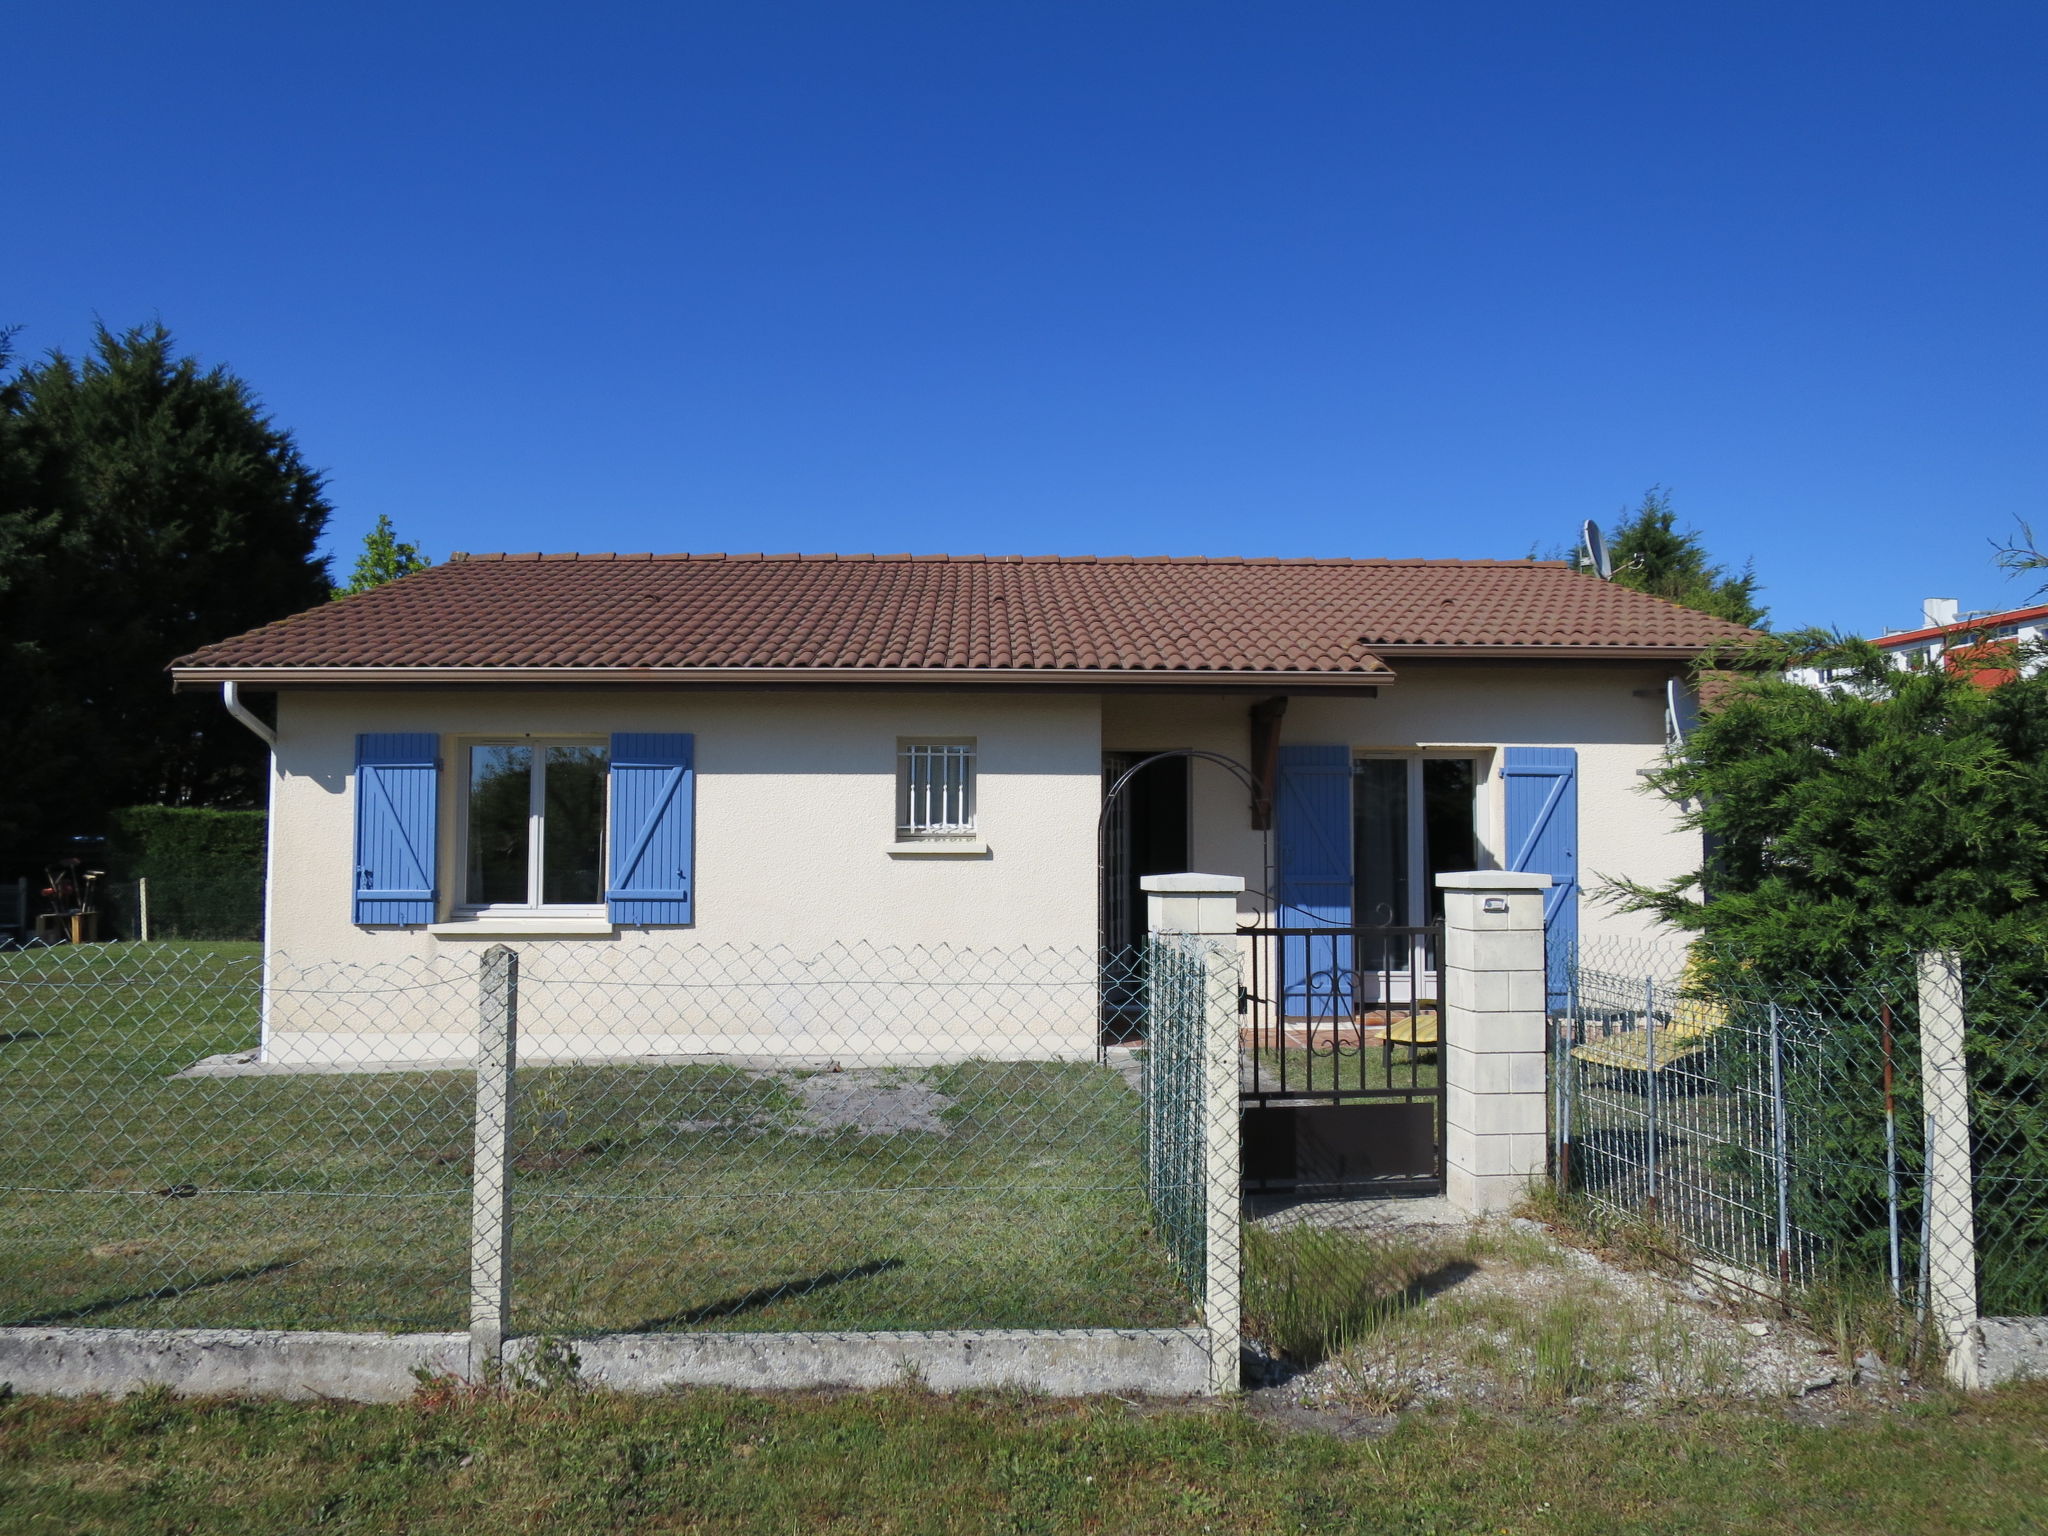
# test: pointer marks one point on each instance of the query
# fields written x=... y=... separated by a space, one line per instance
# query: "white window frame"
x=535 y=829
x=943 y=809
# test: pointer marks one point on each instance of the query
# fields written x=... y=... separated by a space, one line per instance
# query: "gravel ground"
x=1511 y=1317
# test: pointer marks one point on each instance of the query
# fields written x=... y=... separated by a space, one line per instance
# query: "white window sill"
x=939 y=848
x=537 y=925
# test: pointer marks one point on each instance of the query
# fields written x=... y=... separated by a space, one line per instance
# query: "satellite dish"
x=1596 y=552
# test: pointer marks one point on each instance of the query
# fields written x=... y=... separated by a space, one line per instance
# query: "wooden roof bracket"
x=1265 y=756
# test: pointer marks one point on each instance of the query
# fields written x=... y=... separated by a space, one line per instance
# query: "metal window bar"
x=937 y=796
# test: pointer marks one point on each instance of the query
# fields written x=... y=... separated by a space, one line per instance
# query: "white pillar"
x=1207 y=905
x=1191 y=903
x=1493 y=1037
x=1951 y=1201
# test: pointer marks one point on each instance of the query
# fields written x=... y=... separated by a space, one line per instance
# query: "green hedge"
x=204 y=868
x=176 y=843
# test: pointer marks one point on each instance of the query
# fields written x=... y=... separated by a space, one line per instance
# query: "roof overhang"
x=953 y=678
x=1676 y=655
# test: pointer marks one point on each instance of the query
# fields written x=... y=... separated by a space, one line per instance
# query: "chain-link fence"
x=702 y=1139
x=154 y=1172
x=181 y=909
x=2006 y=1042
x=158 y=909
x=861 y=1138
x=1878 y=1121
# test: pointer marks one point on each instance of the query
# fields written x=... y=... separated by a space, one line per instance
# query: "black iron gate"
x=1342 y=1080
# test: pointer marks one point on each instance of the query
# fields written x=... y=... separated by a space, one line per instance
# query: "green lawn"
x=1376 y=1066
x=902 y=1461
x=670 y=1196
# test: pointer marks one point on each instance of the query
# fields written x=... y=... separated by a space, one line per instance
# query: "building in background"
x=1993 y=647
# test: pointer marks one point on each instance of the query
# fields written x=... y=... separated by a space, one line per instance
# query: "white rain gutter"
x=231 y=695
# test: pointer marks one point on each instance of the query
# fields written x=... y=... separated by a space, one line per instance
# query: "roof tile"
x=962 y=613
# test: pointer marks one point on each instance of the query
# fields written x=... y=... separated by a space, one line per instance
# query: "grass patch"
x=1309 y=1292
x=1494 y=1313
x=1857 y=1313
x=1374 y=1065
x=1854 y=1311
x=648 y=1196
x=906 y=1461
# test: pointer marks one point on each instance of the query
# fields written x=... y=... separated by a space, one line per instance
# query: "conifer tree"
x=147 y=506
x=1651 y=554
x=383 y=559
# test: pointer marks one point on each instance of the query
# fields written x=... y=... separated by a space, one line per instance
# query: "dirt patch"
x=877 y=1101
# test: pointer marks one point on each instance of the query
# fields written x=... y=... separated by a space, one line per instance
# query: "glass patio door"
x=1413 y=817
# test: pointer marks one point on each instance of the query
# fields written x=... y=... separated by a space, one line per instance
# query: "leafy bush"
x=1850 y=828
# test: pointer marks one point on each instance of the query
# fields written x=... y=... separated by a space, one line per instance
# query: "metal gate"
x=1342 y=1081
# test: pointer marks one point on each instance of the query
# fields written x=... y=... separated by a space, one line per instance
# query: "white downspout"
x=231 y=696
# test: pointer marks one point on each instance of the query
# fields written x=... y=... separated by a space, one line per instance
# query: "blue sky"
x=1113 y=277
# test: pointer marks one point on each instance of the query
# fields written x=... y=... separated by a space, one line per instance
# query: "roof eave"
x=1589 y=652
x=1096 y=679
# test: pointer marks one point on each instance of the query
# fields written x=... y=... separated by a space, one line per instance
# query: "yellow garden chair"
x=1654 y=1046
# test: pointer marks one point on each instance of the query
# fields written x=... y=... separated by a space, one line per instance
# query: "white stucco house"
x=688 y=758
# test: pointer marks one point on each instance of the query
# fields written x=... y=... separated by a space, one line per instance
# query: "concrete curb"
x=239 y=1362
x=2012 y=1349
x=380 y=1367
x=1066 y=1363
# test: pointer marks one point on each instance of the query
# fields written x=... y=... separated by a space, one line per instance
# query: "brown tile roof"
x=1326 y=620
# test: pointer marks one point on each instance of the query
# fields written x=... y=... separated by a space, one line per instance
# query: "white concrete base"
x=1164 y=1362
x=380 y=1367
x=1483 y=1194
x=241 y=1362
x=2012 y=1349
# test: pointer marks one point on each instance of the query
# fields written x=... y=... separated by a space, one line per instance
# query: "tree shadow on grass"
x=161 y=1293
x=753 y=1301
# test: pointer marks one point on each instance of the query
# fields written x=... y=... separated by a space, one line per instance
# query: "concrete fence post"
x=490 y=1209
x=1951 y=1224
x=1493 y=1047
x=1222 y=1166
x=1207 y=905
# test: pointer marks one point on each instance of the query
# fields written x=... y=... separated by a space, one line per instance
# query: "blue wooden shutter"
x=1543 y=837
x=397 y=804
x=654 y=783
x=1312 y=831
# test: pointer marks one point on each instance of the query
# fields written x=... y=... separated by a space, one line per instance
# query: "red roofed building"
x=689 y=755
x=1989 y=647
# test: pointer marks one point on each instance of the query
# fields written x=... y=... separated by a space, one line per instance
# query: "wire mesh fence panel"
x=1176 y=988
x=154 y=1172
x=181 y=910
x=861 y=1138
x=1774 y=1127
x=2007 y=1053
